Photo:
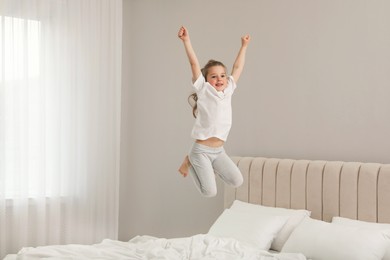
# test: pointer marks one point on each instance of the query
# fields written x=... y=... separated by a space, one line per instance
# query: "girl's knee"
x=237 y=181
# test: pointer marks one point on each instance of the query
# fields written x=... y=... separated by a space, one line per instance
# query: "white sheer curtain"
x=60 y=80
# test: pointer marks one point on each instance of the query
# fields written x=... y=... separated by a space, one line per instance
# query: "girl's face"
x=217 y=77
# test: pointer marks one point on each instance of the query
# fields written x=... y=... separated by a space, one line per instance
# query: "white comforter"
x=145 y=247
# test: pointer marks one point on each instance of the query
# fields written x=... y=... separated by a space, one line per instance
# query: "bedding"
x=258 y=230
x=320 y=240
x=295 y=216
x=365 y=225
x=202 y=246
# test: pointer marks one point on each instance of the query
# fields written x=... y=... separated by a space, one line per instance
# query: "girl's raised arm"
x=195 y=67
x=239 y=63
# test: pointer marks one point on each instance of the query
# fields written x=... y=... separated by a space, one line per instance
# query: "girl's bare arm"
x=239 y=63
x=195 y=67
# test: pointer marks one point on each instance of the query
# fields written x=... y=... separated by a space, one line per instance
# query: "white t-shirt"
x=214 y=116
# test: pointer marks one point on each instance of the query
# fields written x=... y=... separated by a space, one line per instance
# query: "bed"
x=285 y=210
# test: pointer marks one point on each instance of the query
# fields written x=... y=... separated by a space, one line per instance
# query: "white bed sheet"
x=201 y=246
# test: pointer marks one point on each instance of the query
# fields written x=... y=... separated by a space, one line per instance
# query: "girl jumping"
x=213 y=118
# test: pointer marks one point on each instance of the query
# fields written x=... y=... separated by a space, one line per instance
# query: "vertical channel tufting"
x=298 y=184
x=384 y=194
x=269 y=182
x=314 y=188
x=331 y=190
x=349 y=190
x=367 y=192
x=283 y=183
x=256 y=180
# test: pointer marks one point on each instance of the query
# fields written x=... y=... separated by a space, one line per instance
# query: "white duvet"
x=145 y=247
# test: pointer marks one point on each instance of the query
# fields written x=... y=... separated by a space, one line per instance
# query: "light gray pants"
x=206 y=162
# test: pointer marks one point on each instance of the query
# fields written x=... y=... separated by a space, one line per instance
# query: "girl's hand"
x=183 y=34
x=245 y=40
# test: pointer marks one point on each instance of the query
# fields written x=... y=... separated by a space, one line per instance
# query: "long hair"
x=193 y=98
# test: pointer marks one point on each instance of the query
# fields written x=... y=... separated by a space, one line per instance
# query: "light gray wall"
x=316 y=86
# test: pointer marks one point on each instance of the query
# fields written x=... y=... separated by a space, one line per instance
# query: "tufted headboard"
x=327 y=188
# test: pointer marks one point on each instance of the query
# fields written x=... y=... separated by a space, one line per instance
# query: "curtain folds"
x=60 y=83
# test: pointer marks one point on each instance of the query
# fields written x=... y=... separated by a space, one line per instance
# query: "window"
x=21 y=105
x=20 y=53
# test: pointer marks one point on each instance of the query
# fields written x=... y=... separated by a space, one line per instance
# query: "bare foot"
x=184 y=167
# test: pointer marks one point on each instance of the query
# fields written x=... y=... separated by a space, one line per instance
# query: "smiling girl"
x=213 y=119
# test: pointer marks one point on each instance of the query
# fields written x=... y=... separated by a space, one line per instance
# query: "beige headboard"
x=326 y=188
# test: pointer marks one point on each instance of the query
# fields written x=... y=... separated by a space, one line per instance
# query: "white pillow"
x=321 y=240
x=295 y=217
x=364 y=224
x=258 y=231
